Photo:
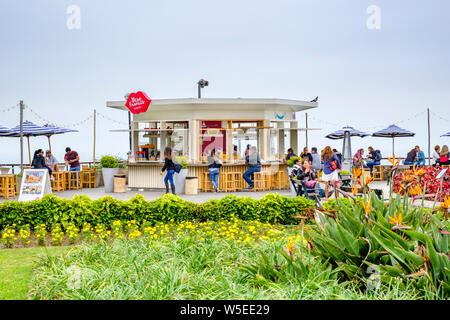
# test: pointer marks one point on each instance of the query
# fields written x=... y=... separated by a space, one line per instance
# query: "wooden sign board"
x=35 y=184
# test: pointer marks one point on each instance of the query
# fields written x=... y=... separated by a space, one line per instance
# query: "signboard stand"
x=35 y=184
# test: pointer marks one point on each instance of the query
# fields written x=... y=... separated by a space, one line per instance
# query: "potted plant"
x=109 y=167
x=180 y=178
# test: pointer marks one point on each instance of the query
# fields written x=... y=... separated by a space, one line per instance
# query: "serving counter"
x=146 y=175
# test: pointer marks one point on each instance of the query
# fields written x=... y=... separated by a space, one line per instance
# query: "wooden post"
x=21 y=136
x=429 y=143
x=29 y=151
x=49 y=144
x=306 y=127
x=95 y=123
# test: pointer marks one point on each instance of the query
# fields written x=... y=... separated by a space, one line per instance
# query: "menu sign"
x=35 y=184
x=138 y=102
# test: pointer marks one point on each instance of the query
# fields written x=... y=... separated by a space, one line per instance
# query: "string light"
x=9 y=109
x=438 y=116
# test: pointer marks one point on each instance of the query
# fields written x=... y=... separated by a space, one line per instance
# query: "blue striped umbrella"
x=393 y=131
x=339 y=134
x=4 y=130
x=56 y=130
x=29 y=130
x=446 y=135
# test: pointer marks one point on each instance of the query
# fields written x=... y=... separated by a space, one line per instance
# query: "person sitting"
x=289 y=155
x=39 y=161
x=358 y=158
x=410 y=157
x=51 y=161
x=254 y=162
x=296 y=169
x=444 y=160
x=307 y=175
x=420 y=157
x=374 y=157
x=436 y=155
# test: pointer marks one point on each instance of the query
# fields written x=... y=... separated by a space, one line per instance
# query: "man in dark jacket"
x=374 y=158
x=254 y=163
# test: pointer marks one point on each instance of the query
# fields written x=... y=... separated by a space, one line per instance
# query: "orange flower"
x=288 y=249
x=356 y=172
x=355 y=189
x=367 y=207
x=368 y=180
x=419 y=172
x=397 y=222
x=393 y=160
x=446 y=203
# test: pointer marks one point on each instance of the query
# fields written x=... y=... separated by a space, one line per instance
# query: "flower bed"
x=415 y=182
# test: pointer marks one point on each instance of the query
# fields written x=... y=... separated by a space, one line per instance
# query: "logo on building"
x=138 y=102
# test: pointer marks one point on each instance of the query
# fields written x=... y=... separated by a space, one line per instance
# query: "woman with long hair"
x=444 y=159
x=39 y=161
x=214 y=165
x=169 y=164
x=330 y=165
x=410 y=157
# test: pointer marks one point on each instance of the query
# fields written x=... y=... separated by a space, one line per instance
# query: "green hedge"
x=272 y=208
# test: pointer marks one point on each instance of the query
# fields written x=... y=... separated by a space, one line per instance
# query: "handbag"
x=177 y=167
x=333 y=165
x=310 y=184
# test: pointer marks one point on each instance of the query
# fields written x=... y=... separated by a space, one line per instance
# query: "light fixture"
x=201 y=84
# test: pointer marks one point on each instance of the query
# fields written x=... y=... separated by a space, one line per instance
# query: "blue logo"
x=279 y=117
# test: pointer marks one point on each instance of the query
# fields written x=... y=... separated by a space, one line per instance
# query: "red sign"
x=138 y=102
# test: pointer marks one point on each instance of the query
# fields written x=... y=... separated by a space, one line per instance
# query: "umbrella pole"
x=29 y=152
x=393 y=152
x=49 y=144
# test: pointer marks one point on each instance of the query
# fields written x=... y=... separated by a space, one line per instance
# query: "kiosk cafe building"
x=193 y=127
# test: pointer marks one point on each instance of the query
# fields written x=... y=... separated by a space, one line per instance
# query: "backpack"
x=377 y=155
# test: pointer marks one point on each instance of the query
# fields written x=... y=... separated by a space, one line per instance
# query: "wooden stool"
x=73 y=179
x=259 y=181
x=377 y=173
x=239 y=181
x=267 y=177
x=277 y=180
x=228 y=181
x=58 y=182
x=88 y=176
x=206 y=182
x=7 y=186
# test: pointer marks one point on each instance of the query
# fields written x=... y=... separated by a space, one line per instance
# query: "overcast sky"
x=295 y=49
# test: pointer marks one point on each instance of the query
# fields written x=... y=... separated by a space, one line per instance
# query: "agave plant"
x=403 y=243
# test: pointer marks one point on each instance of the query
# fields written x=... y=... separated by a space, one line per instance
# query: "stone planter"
x=179 y=180
x=108 y=178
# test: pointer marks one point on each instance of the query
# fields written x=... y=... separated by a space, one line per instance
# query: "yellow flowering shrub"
x=9 y=236
x=40 y=231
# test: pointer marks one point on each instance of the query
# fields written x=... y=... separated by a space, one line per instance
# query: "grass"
x=16 y=269
x=190 y=268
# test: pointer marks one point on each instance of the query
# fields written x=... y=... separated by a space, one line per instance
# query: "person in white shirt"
x=436 y=154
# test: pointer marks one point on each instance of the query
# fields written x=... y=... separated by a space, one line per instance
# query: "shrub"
x=291 y=160
x=108 y=162
x=80 y=210
x=183 y=161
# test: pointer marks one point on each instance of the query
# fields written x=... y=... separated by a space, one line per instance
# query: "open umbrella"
x=345 y=134
x=56 y=130
x=4 y=130
x=393 y=131
x=29 y=130
x=446 y=135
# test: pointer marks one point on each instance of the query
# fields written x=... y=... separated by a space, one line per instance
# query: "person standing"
x=247 y=150
x=39 y=161
x=214 y=165
x=254 y=162
x=51 y=161
x=306 y=154
x=316 y=162
x=169 y=165
x=330 y=165
x=73 y=160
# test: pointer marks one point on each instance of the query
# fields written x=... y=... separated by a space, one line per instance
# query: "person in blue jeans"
x=170 y=167
x=73 y=160
x=374 y=157
x=214 y=165
x=254 y=163
x=420 y=157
